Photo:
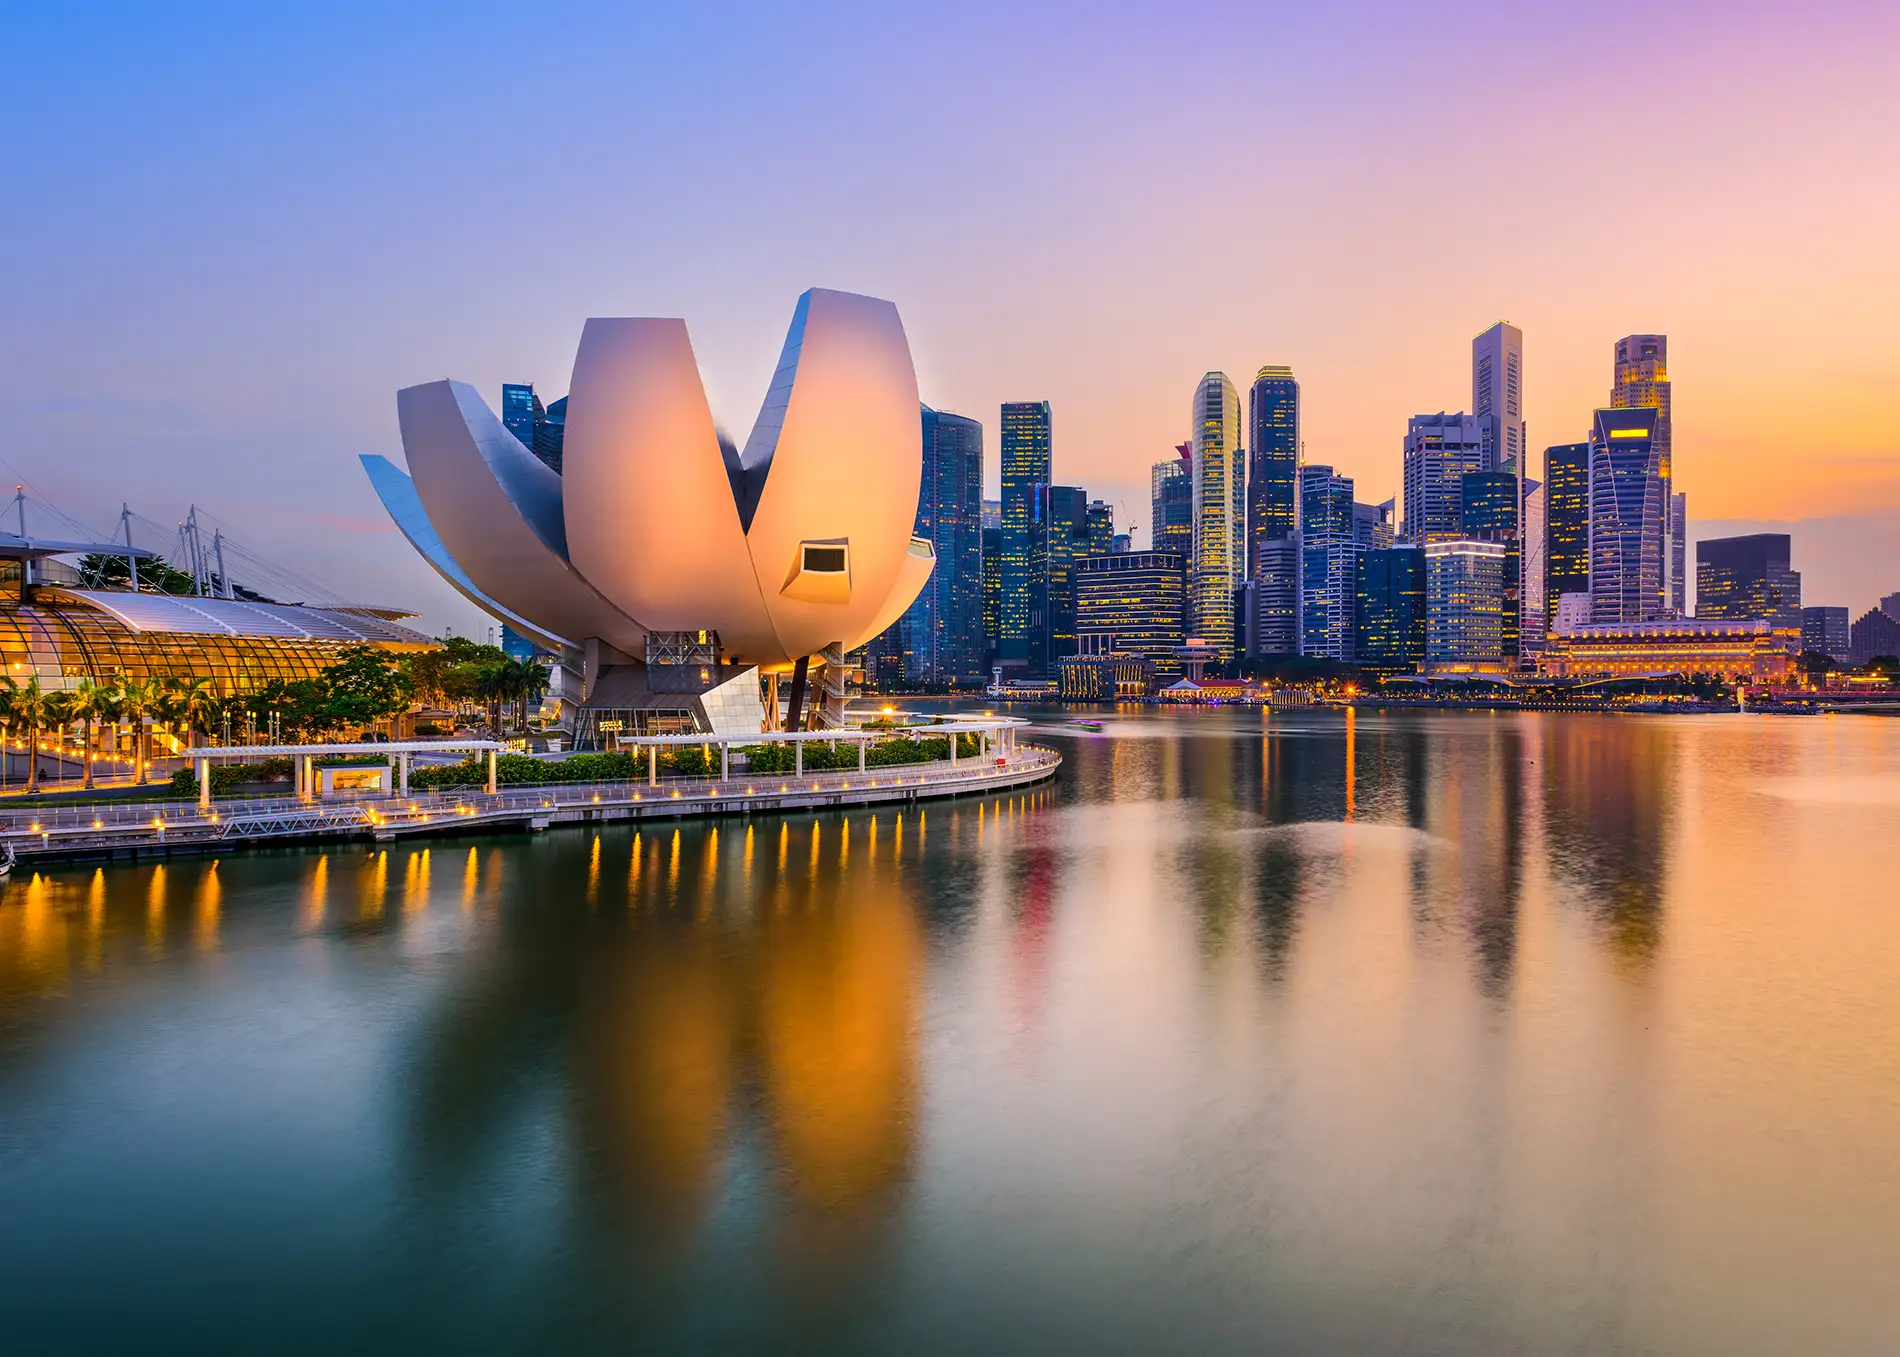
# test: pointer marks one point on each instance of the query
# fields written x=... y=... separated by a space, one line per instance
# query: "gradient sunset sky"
x=230 y=234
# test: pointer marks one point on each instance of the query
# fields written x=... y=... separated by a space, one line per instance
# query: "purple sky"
x=231 y=234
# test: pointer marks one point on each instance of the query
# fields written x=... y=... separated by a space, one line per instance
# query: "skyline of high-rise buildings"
x=1269 y=575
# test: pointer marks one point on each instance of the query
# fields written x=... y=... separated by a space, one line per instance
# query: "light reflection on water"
x=1255 y=1031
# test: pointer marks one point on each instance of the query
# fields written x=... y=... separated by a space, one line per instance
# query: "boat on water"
x=6 y=861
x=1083 y=725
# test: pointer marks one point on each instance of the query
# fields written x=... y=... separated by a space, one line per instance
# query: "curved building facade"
x=65 y=635
x=658 y=538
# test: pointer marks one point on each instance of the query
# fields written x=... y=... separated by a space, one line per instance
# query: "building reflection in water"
x=1607 y=790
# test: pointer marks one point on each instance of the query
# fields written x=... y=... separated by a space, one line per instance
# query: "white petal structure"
x=835 y=462
x=497 y=509
x=801 y=541
x=650 y=512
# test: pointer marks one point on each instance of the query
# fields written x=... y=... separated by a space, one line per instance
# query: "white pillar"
x=725 y=760
x=204 y=784
x=653 y=765
x=953 y=746
x=798 y=757
x=491 y=772
x=402 y=774
x=862 y=742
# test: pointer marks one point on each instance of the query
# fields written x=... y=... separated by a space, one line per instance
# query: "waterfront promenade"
x=135 y=829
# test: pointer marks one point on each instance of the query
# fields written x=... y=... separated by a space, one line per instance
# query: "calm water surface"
x=1455 y=1033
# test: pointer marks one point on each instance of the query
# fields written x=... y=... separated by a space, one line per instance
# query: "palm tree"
x=193 y=703
x=33 y=708
x=138 y=698
x=88 y=702
x=492 y=687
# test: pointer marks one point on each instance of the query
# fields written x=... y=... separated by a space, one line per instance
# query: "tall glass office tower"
x=1328 y=564
x=1747 y=579
x=943 y=629
x=1220 y=512
x=1566 y=524
x=1641 y=379
x=1273 y=460
x=1497 y=394
x=1171 y=525
x=1628 y=506
x=1440 y=451
x=520 y=411
x=1064 y=540
x=1025 y=440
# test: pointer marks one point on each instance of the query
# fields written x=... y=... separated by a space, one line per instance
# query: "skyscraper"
x=1389 y=611
x=1101 y=527
x=1328 y=577
x=1641 y=380
x=942 y=629
x=1464 y=607
x=1677 y=537
x=1566 y=524
x=1025 y=442
x=1440 y=450
x=1826 y=631
x=1489 y=513
x=1171 y=524
x=1065 y=540
x=1747 y=579
x=1627 y=507
x=520 y=411
x=1497 y=394
x=992 y=594
x=1275 y=619
x=1131 y=604
x=550 y=434
x=1219 y=560
x=1273 y=460
x=1531 y=582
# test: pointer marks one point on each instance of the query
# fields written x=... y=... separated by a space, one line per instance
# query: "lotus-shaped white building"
x=666 y=566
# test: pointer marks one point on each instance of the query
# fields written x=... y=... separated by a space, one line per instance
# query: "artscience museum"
x=674 y=573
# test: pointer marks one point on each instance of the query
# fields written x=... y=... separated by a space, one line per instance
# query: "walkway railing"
x=77 y=828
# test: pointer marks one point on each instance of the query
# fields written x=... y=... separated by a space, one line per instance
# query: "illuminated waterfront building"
x=1026 y=457
x=663 y=562
x=1566 y=523
x=1825 y=631
x=1219 y=559
x=1641 y=380
x=1747 y=579
x=62 y=633
x=1440 y=451
x=1171 y=521
x=1748 y=652
x=1132 y=603
x=1328 y=548
x=1464 y=605
x=1627 y=506
x=1390 y=610
x=1273 y=460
